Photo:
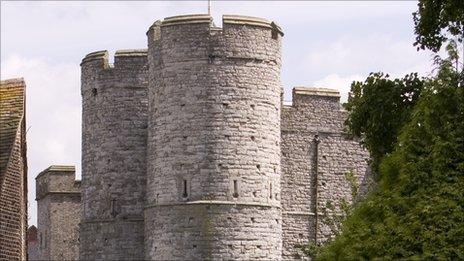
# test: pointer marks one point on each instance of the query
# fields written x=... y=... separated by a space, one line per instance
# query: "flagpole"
x=209 y=7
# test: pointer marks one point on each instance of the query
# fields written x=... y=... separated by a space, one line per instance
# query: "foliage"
x=332 y=218
x=417 y=212
x=436 y=21
x=378 y=108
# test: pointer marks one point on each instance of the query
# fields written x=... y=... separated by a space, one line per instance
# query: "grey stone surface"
x=114 y=122
x=316 y=155
x=59 y=210
x=188 y=152
x=214 y=124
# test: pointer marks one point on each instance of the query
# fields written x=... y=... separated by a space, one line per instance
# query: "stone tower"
x=213 y=158
x=114 y=113
x=59 y=199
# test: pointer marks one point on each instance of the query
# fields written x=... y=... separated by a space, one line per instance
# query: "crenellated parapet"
x=57 y=179
x=130 y=68
x=306 y=96
x=193 y=37
x=320 y=107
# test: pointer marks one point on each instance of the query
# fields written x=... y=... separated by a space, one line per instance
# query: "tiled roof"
x=12 y=98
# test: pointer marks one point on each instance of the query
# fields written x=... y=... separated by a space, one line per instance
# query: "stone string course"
x=189 y=154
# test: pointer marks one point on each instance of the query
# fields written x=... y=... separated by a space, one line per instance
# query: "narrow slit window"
x=185 y=194
x=235 y=189
x=270 y=190
x=113 y=207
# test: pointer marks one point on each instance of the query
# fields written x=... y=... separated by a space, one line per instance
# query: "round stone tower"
x=114 y=125
x=213 y=158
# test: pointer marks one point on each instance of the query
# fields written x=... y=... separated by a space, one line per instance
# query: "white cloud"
x=342 y=84
x=53 y=115
x=365 y=54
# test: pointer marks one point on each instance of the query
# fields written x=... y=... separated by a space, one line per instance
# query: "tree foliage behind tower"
x=436 y=21
x=417 y=212
x=378 y=108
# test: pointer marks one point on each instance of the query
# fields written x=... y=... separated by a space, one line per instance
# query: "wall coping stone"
x=57 y=168
x=131 y=52
x=187 y=19
x=250 y=20
x=98 y=55
x=311 y=91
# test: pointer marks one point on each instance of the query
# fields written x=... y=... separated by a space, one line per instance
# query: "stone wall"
x=316 y=156
x=114 y=102
x=58 y=197
x=213 y=178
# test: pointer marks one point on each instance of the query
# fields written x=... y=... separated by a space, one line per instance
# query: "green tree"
x=417 y=212
x=378 y=108
x=332 y=218
x=436 y=21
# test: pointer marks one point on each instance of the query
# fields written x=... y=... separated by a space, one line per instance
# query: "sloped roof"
x=12 y=97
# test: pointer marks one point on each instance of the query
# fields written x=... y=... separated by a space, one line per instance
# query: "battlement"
x=187 y=19
x=250 y=20
x=57 y=179
x=130 y=69
x=207 y=19
x=194 y=38
x=310 y=96
x=101 y=57
x=310 y=91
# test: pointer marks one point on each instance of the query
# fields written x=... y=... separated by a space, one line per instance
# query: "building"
x=59 y=210
x=188 y=151
x=32 y=243
x=13 y=170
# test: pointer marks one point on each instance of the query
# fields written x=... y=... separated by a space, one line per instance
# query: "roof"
x=12 y=98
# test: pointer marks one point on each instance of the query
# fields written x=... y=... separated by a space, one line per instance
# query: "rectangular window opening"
x=270 y=190
x=185 y=194
x=113 y=207
x=235 y=189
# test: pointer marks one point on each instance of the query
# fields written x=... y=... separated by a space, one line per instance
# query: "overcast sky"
x=326 y=44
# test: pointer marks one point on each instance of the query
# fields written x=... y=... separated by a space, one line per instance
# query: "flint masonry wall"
x=59 y=210
x=213 y=177
x=114 y=101
x=316 y=155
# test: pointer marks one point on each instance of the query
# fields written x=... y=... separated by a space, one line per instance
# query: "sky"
x=326 y=44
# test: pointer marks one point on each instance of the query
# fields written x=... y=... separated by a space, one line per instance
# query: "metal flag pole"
x=209 y=7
